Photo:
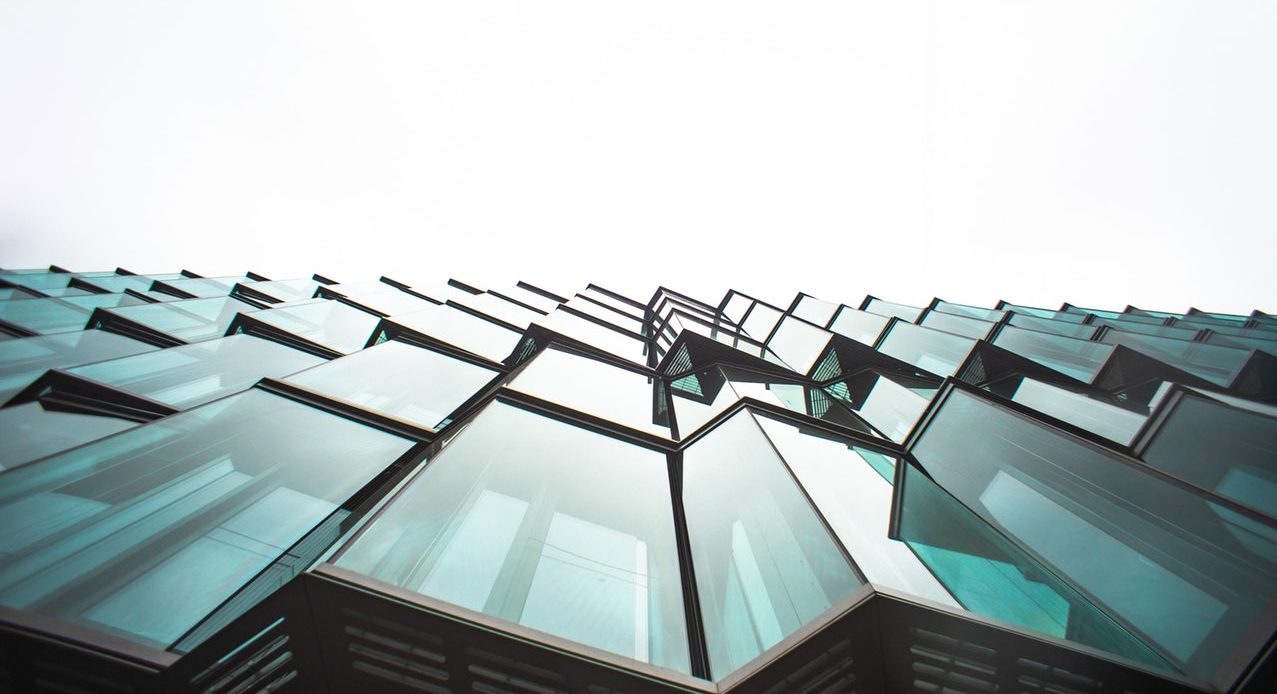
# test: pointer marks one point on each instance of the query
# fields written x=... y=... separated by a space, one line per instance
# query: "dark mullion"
x=697 y=645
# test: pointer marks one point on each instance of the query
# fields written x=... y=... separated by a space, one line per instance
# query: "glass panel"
x=1214 y=363
x=36 y=279
x=958 y=325
x=204 y=287
x=858 y=325
x=544 y=524
x=118 y=283
x=44 y=316
x=699 y=397
x=32 y=432
x=143 y=534
x=1240 y=342
x=531 y=298
x=1077 y=358
x=846 y=485
x=591 y=386
x=192 y=375
x=892 y=408
x=991 y=576
x=500 y=309
x=1066 y=316
x=606 y=339
x=905 y=313
x=1057 y=327
x=463 y=331
x=760 y=321
x=1098 y=417
x=1228 y=450
x=189 y=320
x=26 y=359
x=799 y=344
x=606 y=314
x=1146 y=329
x=813 y=309
x=984 y=314
x=285 y=290
x=765 y=565
x=632 y=311
x=736 y=307
x=92 y=301
x=399 y=380
x=931 y=350
x=332 y=324
x=1131 y=542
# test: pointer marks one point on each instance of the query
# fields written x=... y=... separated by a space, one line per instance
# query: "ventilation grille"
x=410 y=658
x=263 y=663
x=682 y=362
x=829 y=367
x=940 y=663
x=975 y=372
x=497 y=674
x=828 y=673
x=53 y=676
x=1034 y=677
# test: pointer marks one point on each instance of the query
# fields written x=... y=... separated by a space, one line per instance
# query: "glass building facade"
x=239 y=484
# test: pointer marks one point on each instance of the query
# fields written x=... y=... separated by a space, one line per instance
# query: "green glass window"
x=414 y=385
x=765 y=564
x=143 y=534
x=327 y=323
x=189 y=320
x=985 y=314
x=462 y=330
x=1058 y=327
x=892 y=408
x=938 y=352
x=858 y=325
x=798 y=344
x=24 y=360
x=1077 y=358
x=192 y=375
x=284 y=290
x=204 y=287
x=1096 y=416
x=958 y=325
x=812 y=309
x=543 y=524
x=591 y=386
x=32 y=432
x=1215 y=363
x=44 y=316
x=905 y=313
x=38 y=280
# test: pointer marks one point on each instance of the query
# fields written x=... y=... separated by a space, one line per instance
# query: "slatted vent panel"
x=497 y=674
x=410 y=658
x=828 y=673
x=1034 y=677
x=945 y=664
x=54 y=676
x=263 y=663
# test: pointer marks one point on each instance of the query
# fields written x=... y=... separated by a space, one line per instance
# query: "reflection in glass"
x=765 y=565
x=192 y=375
x=591 y=386
x=44 y=316
x=143 y=534
x=327 y=323
x=798 y=344
x=543 y=524
x=1096 y=416
x=463 y=331
x=931 y=350
x=190 y=320
x=1080 y=359
x=412 y=384
x=24 y=360
x=858 y=325
x=812 y=309
x=32 y=432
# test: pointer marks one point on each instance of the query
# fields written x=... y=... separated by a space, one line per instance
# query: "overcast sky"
x=1101 y=153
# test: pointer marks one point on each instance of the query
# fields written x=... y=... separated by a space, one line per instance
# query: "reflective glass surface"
x=958 y=325
x=1098 y=417
x=204 y=287
x=760 y=321
x=736 y=307
x=35 y=279
x=938 y=352
x=92 y=301
x=798 y=344
x=892 y=408
x=24 y=360
x=44 y=316
x=1077 y=358
x=1131 y=542
x=812 y=309
x=143 y=534
x=540 y=523
x=1215 y=363
x=765 y=564
x=591 y=386
x=189 y=320
x=1065 y=328
x=412 y=384
x=192 y=375
x=858 y=325
x=284 y=290
x=905 y=313
x=31 y=432
x=532 y=299
x=501 y=309
x=462 y=330
x=331 y=324
x=606 y=339
x=985 y=314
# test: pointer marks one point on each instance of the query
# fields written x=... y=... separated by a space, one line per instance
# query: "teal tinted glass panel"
x=1262 y=344
x=938 y=352
x=37 y=279
x=699 y=397
x=992 y=576
x=892 y=310
x=1228 y=450
x=892 y=408
x=189 y=320
x=92 y=301
x=591 y=386
x=192 y=375
x=1077 y=358
x=1147 y=329
x=958 y=325
x=1130 y=541
x=812 y=309
x=141 y=535
x=203 y=287
x=765 y=564
x=44 y=316
x=858 y=325
x=462 y=330
x=396 y=379
x=1058 y=327
x=32 y=432
x=798 y=344
x=284 y=290
x=331 y=324
x=1094 y=415
x=118 y=283
x=24 y=360
x=847 y=485
x=1214 y=363
x=1066 y=316
x=990 y=315
x=540 y=523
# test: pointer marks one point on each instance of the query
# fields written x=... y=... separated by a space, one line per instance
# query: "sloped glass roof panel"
x=1080 y=359
x=24 y=360
x=189 y=320
x=332 y=324
x=858 y=325
x=32 y=432
x=591 y=386
x=462 y=330
x=543 y=524
x=938 y=352
x=44 y=316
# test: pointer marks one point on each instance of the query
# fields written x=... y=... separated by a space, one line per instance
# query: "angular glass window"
x=736 y=307
x=26 y=359
x=331 y=324
x=891 y=406
x=798 y=344
x=761 y=320
x=116 y=284
x=190 y=320
x=279 y=291
x=144 y=534
x=198 y=287
x=765 y=564
x=852 y=488
x=530 y=298
x=958 y=325
x=938 y=352
x=411 y=384
x=614 y=342
x=455 y=327
x=1091 y=413
x=990 y=315
x=38 y=280
x=192 y=375
x=380 y=297
x=500 y=309
x=905 y=313
x=1215 y=363
x=32 y=432
x=1228 y=447
x=1131 y=542
x=1065 y=316
x=593 y=387
x=1077 y=358
x=1058 y=327
x=602 y=297
x=43 y=316
x=92 y=301
x=621 y=320
x=542 y=524
x=858 y=325
x=812 y=309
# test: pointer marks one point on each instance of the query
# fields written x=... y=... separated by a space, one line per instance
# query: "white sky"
x=1102 y=153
